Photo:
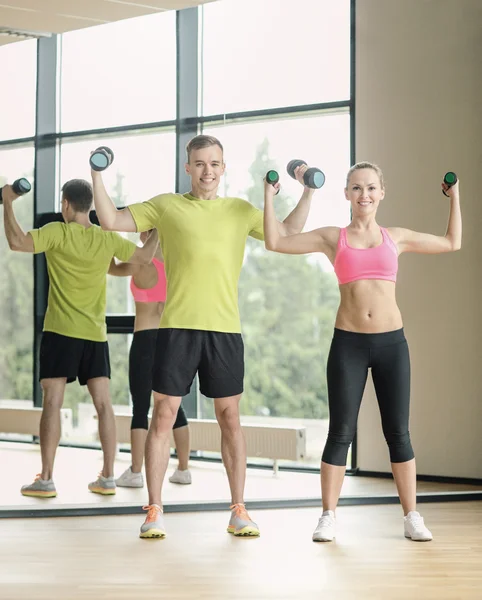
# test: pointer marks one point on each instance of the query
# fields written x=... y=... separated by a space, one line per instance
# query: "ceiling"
x=35 y=18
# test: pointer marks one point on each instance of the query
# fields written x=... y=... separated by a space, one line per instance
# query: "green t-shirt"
x=203 y=244
x=77 y=261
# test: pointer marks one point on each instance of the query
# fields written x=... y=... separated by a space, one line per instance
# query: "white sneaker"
x=325 y=531
x=415 y=528
x=182 y=477
x=130 y=479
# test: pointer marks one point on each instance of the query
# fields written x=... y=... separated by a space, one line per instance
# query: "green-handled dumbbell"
x=20 y=187
x=101 y=158
x=313 y=178
x=450 y=179
x=272 y=177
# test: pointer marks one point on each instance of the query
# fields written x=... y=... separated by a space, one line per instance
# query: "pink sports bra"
x=353 y=264
x=153 y=294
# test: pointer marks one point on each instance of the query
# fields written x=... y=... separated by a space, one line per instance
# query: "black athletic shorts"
x=63 y=356
x=218 y=358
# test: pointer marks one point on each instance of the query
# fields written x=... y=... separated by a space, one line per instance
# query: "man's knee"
x=52 y=400
x=228 y=420
x=165 y=412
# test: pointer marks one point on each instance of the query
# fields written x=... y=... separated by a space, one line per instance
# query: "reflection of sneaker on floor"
x=182 y=477
x=153 y=526
x=325 y=530
x=130 y=479
x=40 y=488
x=240 y=523
x=103 y=485
x=415 y=529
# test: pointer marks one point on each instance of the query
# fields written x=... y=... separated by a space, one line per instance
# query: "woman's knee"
x=399 y=445
x=140 y=421
x=140 y=411
x=336 y=447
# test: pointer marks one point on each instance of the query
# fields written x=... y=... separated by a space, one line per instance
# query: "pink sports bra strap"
x=388 y=240
x=342 y=238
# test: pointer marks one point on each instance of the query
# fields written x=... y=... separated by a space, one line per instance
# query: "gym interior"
x=331 y=82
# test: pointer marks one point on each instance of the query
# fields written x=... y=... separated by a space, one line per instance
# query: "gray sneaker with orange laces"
x=40 y=488
x=153 y=526
x=103 y=485
x=240 y=523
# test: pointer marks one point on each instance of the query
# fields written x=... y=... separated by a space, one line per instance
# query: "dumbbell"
x=101 y=158
x=450 y=179
x=20 y=187
x=313 y=178
x=273 y=178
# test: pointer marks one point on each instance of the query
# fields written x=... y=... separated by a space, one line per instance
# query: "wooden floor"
x=75 y=468
x=102 y=558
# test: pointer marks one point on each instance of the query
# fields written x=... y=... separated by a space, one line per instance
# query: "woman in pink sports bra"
x=148 y=287
x=368 y=332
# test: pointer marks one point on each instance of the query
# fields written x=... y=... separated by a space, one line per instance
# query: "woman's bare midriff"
x=368 y=306
x=148 y=315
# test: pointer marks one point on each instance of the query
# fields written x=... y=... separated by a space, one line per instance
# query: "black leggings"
x=141 y=361
x=351 y=355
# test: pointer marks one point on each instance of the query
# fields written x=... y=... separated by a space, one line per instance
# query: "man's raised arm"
x=110 y=218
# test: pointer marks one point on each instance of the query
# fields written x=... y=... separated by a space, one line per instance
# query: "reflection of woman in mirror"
x=148 y=287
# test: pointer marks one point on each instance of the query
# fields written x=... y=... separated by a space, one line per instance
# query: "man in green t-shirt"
x=203 y=239
x=74 y=340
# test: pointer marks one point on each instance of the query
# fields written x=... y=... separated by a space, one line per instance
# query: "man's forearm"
x=104 y=207
x=296 y=220
x=13 y=231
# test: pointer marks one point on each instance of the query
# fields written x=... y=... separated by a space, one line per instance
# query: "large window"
x=260 y=54
x=124 y=76
x=17 y=99
x=119 y=74
x=278 y=57
x=273 y=84
x=16 y=286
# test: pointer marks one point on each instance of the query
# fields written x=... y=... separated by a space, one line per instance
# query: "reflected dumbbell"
x=20 y=187
x=450 y=179
x=313 y=178
x=101 y=158
x=273 y=178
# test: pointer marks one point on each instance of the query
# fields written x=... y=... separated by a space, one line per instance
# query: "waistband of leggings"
x=386 y=338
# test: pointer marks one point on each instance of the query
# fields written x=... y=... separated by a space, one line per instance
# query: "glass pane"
x=270 y=53
x=322 y=140
x=119 y=74
x=17 y=106
x=79 y=424
x=144 y=166
x=16 y=288
x=287 y=303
